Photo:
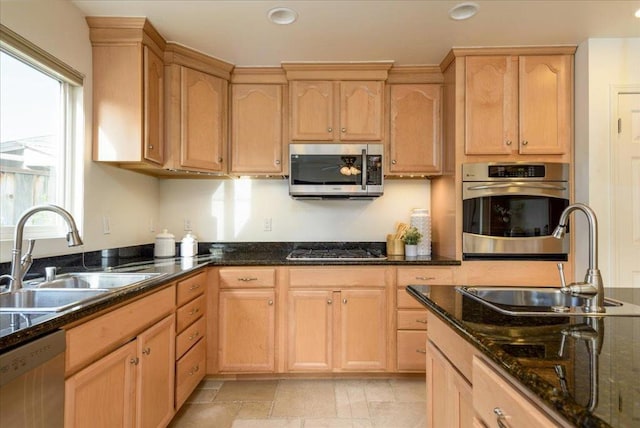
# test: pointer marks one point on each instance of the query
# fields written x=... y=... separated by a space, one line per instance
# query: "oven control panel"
x=516 y=171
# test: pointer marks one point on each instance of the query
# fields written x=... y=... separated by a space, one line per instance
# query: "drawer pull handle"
x=146 y=351
x=425 y=278
x=421 y=351
x=135 y=361
x=424 y=321
x=247 y=278
x=194 y=335
x=194 y=311
x=194 y=370
x=501 y=418
x=194 y=287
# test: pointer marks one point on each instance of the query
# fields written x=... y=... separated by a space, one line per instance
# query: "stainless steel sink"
x=93 y=280
x=542 y=301
x=47 y=300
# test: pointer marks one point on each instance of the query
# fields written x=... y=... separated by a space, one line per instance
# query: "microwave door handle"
x=518 y=184
x=364 y=169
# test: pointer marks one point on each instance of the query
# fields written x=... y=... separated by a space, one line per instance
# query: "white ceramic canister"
x=165 y=245
x=421 y=220
x=189 y=245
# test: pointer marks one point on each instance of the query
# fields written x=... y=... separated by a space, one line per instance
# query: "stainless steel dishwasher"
x=32 y=383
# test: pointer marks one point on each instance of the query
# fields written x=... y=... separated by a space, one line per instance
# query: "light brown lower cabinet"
x=331 y=330
x=129 y=387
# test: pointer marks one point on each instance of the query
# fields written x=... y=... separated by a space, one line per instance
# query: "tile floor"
x=317 y=403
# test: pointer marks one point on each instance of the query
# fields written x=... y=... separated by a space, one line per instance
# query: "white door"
x=625 y=209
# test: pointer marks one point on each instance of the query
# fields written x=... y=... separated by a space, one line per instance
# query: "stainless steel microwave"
x=335 y=170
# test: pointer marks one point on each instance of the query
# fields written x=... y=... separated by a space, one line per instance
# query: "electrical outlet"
x=106 y=225
x=152 y=225
x=267 y=224
x=187 y=224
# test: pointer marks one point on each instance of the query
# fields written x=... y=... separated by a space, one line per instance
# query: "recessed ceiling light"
x=637 y=14
x=282 y=15
x=463 y=11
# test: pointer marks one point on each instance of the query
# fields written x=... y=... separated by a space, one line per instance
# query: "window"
x=40 y=104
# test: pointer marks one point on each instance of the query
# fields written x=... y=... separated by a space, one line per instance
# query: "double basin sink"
x=69 y=290
x=542 y=301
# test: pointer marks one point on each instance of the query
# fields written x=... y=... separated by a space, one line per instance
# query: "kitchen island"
x=547 y=361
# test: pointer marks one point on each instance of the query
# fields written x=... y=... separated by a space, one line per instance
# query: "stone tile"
x=267 y=423
x=210 y=384
x=351 y=400
x=305 y=398
x=337 y=423
x=378 y=390
x=255 y=410
x=202 y=396
x=247 y=391
x=397 y=415
x=214 y=415
x=409 y=390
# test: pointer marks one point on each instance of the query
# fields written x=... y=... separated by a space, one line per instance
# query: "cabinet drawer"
x=188 y=313
x=247 y=278
x=190 y=370
x=457 y=350
x=425 y=276
x=492 y=391
x=190 y=288
x=405 y=301
x=189 y=337
x=338 y=277
x=412 y=349
x=412 y=320
x=95 y=338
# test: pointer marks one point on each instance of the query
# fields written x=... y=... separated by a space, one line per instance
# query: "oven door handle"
x=517 y=184
x=364 y=169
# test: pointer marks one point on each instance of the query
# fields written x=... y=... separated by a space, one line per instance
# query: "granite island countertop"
x=548 y=361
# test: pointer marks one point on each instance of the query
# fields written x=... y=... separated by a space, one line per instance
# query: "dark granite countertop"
x=543 y=355
x=140 y=259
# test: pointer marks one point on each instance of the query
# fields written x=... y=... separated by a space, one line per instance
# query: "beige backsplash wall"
x=235 y=210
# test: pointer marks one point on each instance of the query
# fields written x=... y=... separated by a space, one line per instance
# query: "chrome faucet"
x=20 y=264
x=592 y=286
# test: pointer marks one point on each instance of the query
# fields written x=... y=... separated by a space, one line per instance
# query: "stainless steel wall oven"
x=510 y=210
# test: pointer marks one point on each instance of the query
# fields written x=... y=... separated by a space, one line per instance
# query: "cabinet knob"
x=220 y=160
x=344 y=301
x=329 y=301
x=329 y=129
x=344 y=130
x=277 y=161
x=525 y=142
x=270 y=302
x=150 y=146
x=508 y=142
x=501 y=418
x=146 y=351
x=393 y=162
x=135 y=361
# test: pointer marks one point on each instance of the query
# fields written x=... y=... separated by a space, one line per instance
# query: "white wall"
x=600 y=65
x=235 y=210
x=129 y=199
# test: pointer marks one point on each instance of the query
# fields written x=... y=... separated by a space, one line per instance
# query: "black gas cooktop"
x=341 y=254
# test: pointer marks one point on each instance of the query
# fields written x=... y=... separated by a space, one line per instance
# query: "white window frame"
x=69 y=193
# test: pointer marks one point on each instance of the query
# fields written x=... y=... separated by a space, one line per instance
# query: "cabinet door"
x=363 y=330
x=153 y=107
x=361 y=110
x=449 y=395
x=256 y=129
x=310 y=330
x=312 y=111
x=155 y=386
x=415 y=129
x=202 y=136
x=545 y=104
x=491 y=105
x=247 y=331
x=103 y=393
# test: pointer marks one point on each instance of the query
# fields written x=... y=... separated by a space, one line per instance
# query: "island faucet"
x=592 y=286
x=21 y=264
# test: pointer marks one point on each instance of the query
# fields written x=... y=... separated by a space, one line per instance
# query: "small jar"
x=165 y=245
x=189 y=245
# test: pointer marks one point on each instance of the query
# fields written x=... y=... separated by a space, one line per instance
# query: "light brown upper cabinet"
x=518 y=105
x=257 y=129
x=336 y=111
x=415 y=143
x=128 y=90
x=196 y=111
